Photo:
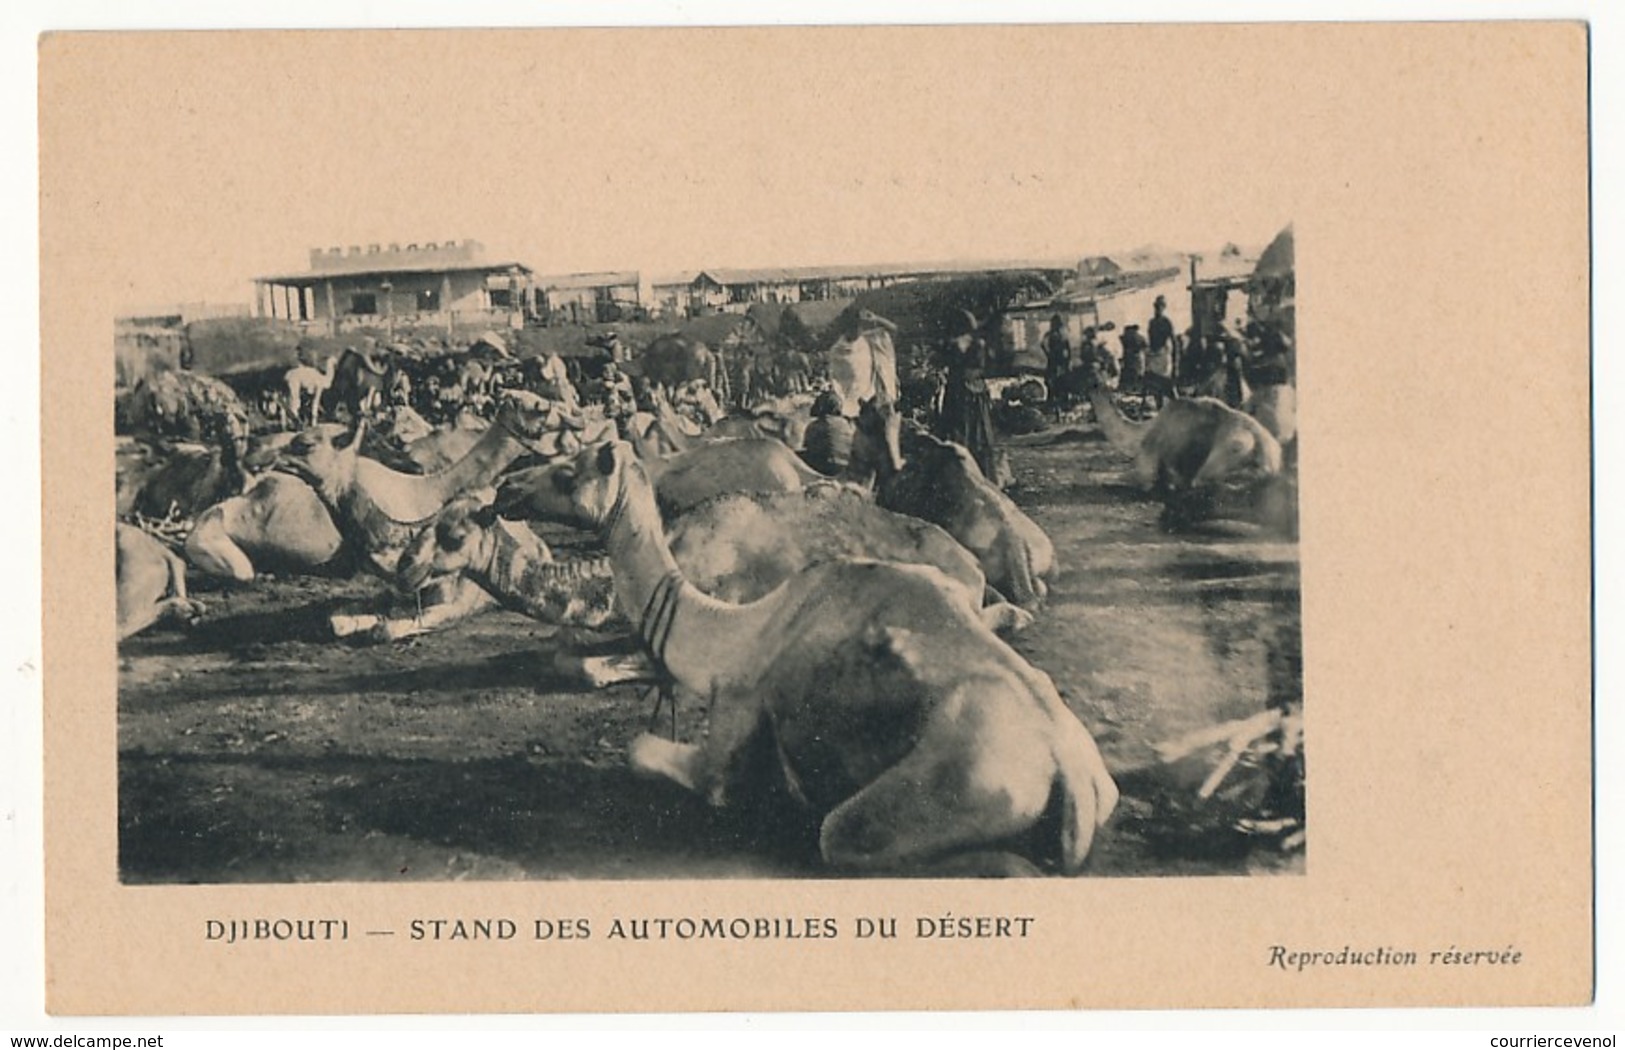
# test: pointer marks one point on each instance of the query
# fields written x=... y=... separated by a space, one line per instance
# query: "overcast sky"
x=219 y=157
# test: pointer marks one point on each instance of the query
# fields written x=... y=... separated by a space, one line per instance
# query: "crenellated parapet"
x=359 y=258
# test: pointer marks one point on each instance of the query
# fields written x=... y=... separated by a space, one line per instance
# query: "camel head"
x=582 y=490
x=228 y=428
x=325 y=455
x=548 y=427
x=264 y=451
x=457 y=538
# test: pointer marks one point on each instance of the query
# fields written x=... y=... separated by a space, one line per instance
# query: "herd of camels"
x=852 y=626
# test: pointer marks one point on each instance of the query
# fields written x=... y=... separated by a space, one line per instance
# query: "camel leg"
x=1223 y=460
x=346 y=625
x=702 y=769
x=140 y=620
x=151 y=592
x=182 y=609
x=655 y=756
x=211 y=549
x=1005 y=618
x=965 y=784
x=601 y=672
x=1088 y=792
x=179 y=605
x=1021 y=585
x=451 y=604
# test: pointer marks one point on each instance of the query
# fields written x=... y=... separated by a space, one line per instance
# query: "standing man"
x=863 y=361
x=1133 y=359
x=967 y=407
x=1057 y=356
x=1160 y=360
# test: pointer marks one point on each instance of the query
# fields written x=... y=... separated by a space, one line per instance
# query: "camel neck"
x=1122 y=433
x=577 y=593
x=411 y=498
x=693 y=636
x=495 y=449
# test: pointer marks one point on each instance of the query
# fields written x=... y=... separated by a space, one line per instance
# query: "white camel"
x=923 y=740
x=1191 y=443
x=302 y=380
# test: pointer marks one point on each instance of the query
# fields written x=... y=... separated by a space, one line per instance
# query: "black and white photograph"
x=728 y=518
x=458 y=559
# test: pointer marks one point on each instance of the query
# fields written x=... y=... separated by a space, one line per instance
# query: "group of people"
x=863 y=364
x=1159 y=364
x=1149 y=361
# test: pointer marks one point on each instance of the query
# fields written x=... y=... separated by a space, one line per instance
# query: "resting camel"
x=151 y=583
x=923 y=742
x=279 y=523
x=785 y=418
x=739 y=546
x=736 y=547
x=674 y=359
x=379 y=510
x=467 y=560
x=294 y=519
x=688 y=478
x=1191 y=442
x=184 y=479
x=302 y=380
x=939 y=482
x=412 y=446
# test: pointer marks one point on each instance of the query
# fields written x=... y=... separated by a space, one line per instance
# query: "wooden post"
x=1196 y=320
x=259 y=298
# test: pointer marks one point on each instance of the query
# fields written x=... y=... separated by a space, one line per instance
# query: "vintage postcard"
x=824 y=518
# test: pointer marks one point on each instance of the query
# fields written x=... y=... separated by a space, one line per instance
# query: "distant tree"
x=794 y=334
x=985 y=295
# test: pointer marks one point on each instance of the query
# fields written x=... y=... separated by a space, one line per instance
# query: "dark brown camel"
x=674 y=359
x=360 y=382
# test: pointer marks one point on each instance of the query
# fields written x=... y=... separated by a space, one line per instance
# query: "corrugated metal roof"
x=602 y=279
x=669 y=280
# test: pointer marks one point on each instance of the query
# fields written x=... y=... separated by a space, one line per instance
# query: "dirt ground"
x=255 y=748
